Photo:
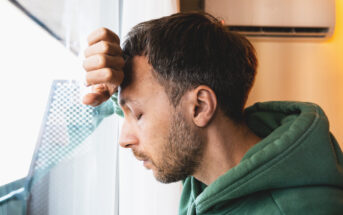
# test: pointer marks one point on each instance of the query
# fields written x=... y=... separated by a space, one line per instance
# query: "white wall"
x=305 y=71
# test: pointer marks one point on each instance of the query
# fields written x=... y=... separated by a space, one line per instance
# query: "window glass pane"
x=30 y=60
x=70 y=21
x=74 y=167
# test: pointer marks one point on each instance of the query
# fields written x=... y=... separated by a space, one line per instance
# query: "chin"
x=166 y=179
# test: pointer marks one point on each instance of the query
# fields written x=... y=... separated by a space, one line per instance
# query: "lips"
x=139 y=156
x=145 y=161
x=141 y=159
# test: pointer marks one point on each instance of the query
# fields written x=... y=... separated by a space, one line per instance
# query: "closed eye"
x=139 y=116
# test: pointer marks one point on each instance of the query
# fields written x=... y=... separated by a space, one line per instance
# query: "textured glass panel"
x=74 y=169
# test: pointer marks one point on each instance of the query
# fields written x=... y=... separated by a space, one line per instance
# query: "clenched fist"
x=104 y=65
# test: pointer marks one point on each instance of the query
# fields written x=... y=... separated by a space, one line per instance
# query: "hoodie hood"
x=297 y=150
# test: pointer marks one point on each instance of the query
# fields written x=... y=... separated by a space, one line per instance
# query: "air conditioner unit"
x=276 y=18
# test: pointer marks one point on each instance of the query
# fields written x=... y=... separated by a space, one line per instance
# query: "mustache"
x=140 y=155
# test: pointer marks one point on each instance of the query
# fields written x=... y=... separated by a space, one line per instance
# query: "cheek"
x=154 y=133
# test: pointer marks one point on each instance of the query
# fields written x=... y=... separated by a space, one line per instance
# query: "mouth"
x=141 y=159
x=146 y=161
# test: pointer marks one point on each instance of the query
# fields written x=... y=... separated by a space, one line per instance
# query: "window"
x=37 y=54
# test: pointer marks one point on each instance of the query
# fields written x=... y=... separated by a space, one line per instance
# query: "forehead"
x=142 y=81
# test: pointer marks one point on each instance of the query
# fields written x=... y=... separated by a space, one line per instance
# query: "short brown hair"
x=191 y=49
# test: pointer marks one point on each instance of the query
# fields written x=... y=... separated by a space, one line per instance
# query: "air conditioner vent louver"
x=277 y=19
x=267 y=31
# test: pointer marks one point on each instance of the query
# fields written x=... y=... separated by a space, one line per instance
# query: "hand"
x=104 y=65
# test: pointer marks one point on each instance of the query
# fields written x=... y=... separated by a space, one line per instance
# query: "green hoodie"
x=297 y=168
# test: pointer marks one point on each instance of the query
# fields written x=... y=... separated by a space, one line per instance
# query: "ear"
x=204 y=105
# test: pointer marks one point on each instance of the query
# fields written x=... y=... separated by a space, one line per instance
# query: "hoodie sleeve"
x=117 y=109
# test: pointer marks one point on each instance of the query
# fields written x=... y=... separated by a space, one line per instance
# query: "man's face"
x=158 y=134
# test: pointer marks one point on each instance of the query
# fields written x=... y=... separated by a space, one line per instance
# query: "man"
x=182 y=88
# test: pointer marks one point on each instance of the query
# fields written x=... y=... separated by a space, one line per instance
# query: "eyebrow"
x=124 y=101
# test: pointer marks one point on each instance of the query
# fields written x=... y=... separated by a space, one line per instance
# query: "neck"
x=226 y=145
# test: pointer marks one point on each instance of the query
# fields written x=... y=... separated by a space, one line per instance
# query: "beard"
x=182 y=152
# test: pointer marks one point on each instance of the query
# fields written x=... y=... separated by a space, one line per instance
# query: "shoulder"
x=314 y=200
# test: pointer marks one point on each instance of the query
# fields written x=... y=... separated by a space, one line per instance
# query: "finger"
x=94 y=99
x=103 y=47
x=105 y=89
x=112 y=88
x=100 y=61
x=99 y=94
x=103 y=34
x=104 y=75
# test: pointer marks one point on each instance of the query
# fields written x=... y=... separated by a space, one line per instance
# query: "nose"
x=127 y=138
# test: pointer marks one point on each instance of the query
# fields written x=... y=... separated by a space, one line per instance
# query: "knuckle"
x=103 y=32
x=117 y=49
x=121 y=62
x=108 y=75
x=101 y=60
x=117 y=38
x=120 y=51
x=105 y=47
